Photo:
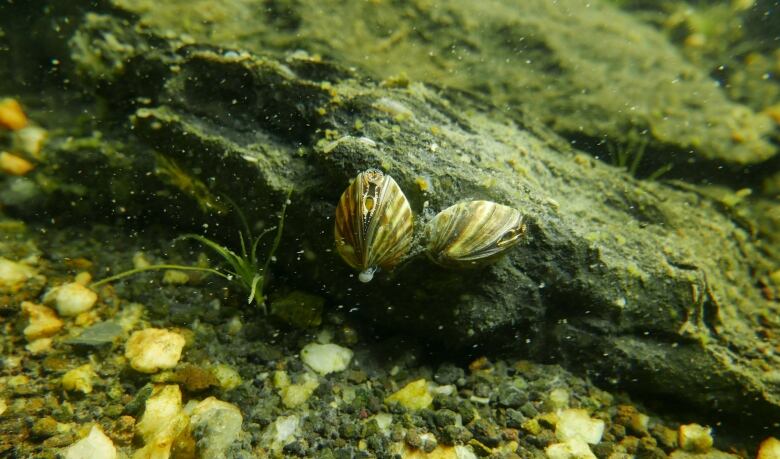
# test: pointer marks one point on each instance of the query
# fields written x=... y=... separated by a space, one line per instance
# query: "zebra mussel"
x=374 y=224
x=472 y=234
x=375 y=230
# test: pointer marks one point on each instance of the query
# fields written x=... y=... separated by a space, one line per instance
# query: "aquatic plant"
x=244 y=268
x=628 y=156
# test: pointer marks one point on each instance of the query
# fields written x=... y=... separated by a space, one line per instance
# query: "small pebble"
x=326 y=358
x=234 y=326
x=12 y=116
x=511 y=396
x=30 y=141
x=79 y=379
x=45 y=427
x=576 y=424
x=154 y=349
x=13 y=275
x=39 y=346
x=281 y=432
x=296 y=394
x=217 y=425
x=43 y=321
x=572 y=449
x=72 y=299
x=558 y=399
x=162 y=422
x=665 y=436
x=83 y=278
x=96 y=445
x=227 y=376
x=769 y=449
x=449 y=374
x=14 y=165
x=193 y=378
x=413 y=396
x=695 y=438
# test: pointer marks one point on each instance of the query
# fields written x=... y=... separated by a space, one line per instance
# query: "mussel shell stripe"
x=473 y=233
x=373 y=222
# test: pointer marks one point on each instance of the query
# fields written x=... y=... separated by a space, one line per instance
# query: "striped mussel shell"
x=472 y=234
x=374 y=226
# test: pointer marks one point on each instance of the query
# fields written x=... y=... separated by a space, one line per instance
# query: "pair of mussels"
x=374 y=228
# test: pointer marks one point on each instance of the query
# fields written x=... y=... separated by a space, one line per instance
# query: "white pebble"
x=576 y=424
x=280 y=432
x=154 y=349
x=695 y=438
x=162 y=422
x=13 y=274
x=326 y=358
x=73 y=298
x=96 y=445
x=572 y=449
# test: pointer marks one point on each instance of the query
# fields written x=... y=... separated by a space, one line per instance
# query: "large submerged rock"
x=646 y=285
x=586 y=69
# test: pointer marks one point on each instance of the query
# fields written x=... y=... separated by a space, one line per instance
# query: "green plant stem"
x=660 y=171
x=277 y=240
x=278 y=237
x=130 y=272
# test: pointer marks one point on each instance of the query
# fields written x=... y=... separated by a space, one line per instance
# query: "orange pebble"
x=11 y=115
x=14 y=165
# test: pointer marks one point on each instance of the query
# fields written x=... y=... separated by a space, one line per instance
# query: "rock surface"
x=619 y=278
x=573 y=65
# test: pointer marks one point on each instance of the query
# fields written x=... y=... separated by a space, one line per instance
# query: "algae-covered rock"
x=586 y=69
